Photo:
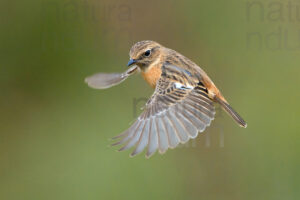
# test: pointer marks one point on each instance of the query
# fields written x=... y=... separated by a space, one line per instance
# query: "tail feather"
x=232 y=112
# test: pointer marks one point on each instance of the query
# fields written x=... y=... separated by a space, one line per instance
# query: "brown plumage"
x=181 y=106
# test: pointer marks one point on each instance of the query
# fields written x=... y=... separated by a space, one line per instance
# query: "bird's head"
x=144 y=53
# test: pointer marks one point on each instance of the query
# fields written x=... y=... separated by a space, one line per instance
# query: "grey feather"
x=107 y=80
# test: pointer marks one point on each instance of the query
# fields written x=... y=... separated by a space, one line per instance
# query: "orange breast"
x=152 y=75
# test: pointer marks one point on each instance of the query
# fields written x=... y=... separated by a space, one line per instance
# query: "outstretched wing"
x=107 y=80
x=176 y=112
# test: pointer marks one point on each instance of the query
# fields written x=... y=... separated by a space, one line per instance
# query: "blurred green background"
x=54 y=130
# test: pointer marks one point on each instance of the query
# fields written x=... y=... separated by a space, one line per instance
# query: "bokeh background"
x=54 y=130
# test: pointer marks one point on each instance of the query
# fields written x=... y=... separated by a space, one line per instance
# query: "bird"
x=182 y=105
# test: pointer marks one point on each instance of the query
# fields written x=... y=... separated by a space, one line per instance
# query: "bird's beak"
x=131 y=62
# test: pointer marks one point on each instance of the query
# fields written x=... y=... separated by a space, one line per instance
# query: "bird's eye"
x=147 y=53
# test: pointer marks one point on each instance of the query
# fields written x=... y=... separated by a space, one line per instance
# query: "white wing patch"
x=180 y=86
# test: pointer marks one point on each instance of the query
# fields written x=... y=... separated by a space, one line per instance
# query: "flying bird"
x=181 y=106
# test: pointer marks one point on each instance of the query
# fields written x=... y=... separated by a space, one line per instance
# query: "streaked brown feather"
x=171 y=116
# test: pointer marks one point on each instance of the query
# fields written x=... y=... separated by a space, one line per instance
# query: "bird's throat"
x=152 y=75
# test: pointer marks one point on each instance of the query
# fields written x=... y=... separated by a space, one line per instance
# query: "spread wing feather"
x=175 y=113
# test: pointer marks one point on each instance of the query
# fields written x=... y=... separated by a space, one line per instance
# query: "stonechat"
x=181 y=106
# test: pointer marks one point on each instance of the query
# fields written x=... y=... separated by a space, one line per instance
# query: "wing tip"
x=243 y=125
x=147 y=156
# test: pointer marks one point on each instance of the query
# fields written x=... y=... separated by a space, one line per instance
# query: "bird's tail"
x=231 y=112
